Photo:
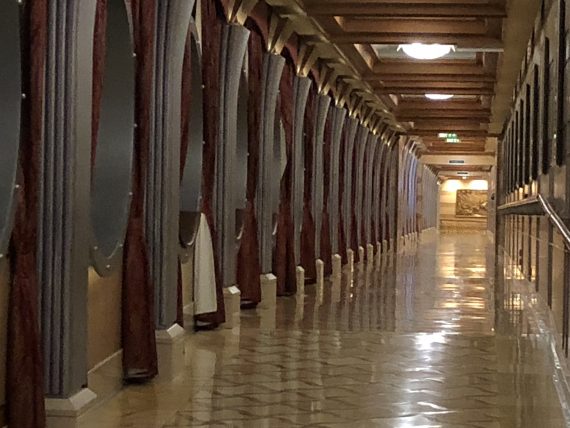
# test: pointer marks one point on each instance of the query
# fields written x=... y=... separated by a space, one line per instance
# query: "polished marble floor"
x=430 y=339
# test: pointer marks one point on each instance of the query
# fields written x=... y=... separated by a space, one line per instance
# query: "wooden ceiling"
x=474 y=27
x=445 y=172
x=360 y=39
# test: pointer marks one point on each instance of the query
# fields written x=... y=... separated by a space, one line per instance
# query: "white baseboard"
x=106 y=378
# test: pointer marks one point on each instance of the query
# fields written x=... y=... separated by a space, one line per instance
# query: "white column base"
x=266 y=310
x=370 y=256
x=170 y=351
x=268 y=291
x=385 y=247
x=232 y=297
x=65 y=412
x=361 y=255
x=336 y=265
x=106 y=378
x=350 y=258
x=320 y=280
x=300 y=281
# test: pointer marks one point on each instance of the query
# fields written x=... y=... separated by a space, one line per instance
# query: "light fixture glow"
x=426 y=51
x=447 y=135
x=439 y=97
x=479 y=185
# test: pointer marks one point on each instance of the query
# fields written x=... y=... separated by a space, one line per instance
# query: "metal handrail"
x=537 y=205
x=555 y=219
x=527 y=206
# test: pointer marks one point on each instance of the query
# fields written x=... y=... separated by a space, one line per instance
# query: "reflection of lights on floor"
x=515 y=302
x=413 y=425
x=426 y=341
x=432 y=405
x=454 y=305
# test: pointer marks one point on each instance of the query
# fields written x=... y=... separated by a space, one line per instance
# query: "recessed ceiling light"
x=426 y=51
x=439 y=97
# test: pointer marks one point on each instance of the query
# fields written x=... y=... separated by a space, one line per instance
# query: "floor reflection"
x=421 y=341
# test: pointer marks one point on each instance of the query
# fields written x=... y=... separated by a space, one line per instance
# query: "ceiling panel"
x=486 y=38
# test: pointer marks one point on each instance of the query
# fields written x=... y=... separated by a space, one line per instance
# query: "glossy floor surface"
x=429 y=339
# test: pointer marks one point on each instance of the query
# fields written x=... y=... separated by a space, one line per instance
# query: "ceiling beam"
x=408 y=10
x=414 y=26
x=427 y=90
x=426 y=68
x=466 y=41
x=462 y=133
x=458 y=153
x=455 y=105
x=417 y=115
x=479 y=78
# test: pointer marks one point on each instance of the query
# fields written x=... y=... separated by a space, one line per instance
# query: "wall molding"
x=106 y=378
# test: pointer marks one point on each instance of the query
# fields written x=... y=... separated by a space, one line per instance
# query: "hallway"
x=421 y=342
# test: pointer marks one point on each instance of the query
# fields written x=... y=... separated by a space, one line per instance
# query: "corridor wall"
x=418 y=188
x=285 y=258
x=450 y=220
x=532 y=161
x=158 y=119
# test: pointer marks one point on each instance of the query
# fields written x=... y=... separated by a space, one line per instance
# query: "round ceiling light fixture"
x=426 y=51
x=439 y=97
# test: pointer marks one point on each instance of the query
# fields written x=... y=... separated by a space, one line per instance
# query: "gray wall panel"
x=113 y=169
x=231 y=166
x=300 y=94
x=323 y=103
x=361 y=144
x=351 y=129
x=11 y=96
x=63 y=253
x=191 y=180
x=269 y=179
x=368 y=188
x=163 y=186
x=338 y=121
